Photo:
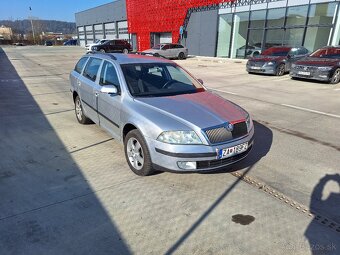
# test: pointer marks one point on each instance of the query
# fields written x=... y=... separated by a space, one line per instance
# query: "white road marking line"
x=310 y=110
x=219 y=90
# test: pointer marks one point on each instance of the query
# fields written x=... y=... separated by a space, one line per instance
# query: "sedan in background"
x=166 y=119
x=276 y=60
x=168 y=50
x=322 y=65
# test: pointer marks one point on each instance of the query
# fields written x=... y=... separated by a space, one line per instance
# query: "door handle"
x=79 y=83
x=96 y=93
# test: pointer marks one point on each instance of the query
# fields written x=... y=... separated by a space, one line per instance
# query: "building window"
x=224 y=34
x=293 y=37
x=274 y=37
x=258 y=19
x=317 y=37
x=321 y=14
x=297 y=15
x=240 y=34
x=276 y=17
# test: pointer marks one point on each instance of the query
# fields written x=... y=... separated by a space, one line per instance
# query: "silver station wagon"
x=166 y=118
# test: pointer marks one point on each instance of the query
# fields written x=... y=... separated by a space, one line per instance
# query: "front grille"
x=221 y=134
x=256 y=63
x=221 y=162
x=305 y=68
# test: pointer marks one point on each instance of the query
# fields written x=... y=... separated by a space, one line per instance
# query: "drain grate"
x=289 y=201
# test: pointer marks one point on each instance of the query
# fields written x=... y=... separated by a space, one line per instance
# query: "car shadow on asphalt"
x=47 y=205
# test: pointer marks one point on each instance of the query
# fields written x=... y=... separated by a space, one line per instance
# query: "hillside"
x=24 y=26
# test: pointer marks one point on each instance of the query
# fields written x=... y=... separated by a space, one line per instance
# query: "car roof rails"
x=102 y=53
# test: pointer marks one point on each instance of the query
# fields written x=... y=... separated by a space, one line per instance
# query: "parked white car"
x=97 y=42
x=168 y=50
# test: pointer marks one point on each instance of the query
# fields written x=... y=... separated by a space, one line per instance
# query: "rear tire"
x=181 y=56
x=125 y=51
x=280 y=70
x=78 y=108
x=137 y=153
x=336 y=77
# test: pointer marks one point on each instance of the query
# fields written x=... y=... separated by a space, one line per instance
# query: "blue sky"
x=46 y=9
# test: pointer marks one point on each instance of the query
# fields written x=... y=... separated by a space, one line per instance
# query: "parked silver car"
x=165 y=117
x=169 y=50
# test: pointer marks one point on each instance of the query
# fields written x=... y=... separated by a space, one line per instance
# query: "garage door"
x=110 y=30
x=165 y=38
x=81 y=34
x=123 y=30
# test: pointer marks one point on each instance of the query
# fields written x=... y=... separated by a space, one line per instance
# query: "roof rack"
x=102 y=53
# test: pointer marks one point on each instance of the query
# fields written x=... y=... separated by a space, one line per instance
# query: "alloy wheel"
x=79 y=110
x=336 y=77
x=135 y=153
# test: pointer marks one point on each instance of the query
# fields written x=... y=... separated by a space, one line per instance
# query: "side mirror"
x=289 y=56
x=200 y=81
x=109 y=89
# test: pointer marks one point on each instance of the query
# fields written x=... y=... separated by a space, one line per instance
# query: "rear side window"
x=80 y=65
x=178 y=46
x=91 y=68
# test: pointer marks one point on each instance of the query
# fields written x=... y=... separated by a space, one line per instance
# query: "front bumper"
x=166 y=156
x=263 y=69
x=311 y=75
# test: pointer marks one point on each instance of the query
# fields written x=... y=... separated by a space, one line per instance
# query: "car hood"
x=202 y=109
x=317 y=61
x=262 y=58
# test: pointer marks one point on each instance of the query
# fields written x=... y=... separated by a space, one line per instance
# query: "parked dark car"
x=71 y=42
x=113 y=46
x=321 y=65
x=48 y=43
x=276 y=60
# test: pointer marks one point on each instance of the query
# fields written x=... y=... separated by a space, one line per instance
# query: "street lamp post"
x=32 y=25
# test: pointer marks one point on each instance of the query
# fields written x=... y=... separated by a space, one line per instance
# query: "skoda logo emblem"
x=229 y=127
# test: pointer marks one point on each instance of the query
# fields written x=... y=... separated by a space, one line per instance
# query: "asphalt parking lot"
x=67 y=189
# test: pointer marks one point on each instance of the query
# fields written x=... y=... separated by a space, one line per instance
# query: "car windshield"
x=157 y=47
x=276 y=52
x=159 y=79
x=326 y=53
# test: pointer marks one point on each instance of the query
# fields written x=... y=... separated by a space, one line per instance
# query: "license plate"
x=304 y=73
x=229 y=152
x=256 y=67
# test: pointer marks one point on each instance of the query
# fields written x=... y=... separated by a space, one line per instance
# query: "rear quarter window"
x=80 y=65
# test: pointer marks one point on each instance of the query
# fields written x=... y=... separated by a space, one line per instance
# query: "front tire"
x=78 y=108
x=102 y=51
x=137 y=153
x=280 y=70
x=336 y=77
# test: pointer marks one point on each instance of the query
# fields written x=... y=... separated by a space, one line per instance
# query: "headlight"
x=179 y=137
x=325 y=68
x=249 y=123
x=271 y=63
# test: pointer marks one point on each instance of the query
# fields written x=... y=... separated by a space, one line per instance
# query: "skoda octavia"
x=166 y=118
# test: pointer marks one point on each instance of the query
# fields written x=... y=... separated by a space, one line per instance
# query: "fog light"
x=187 y=165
